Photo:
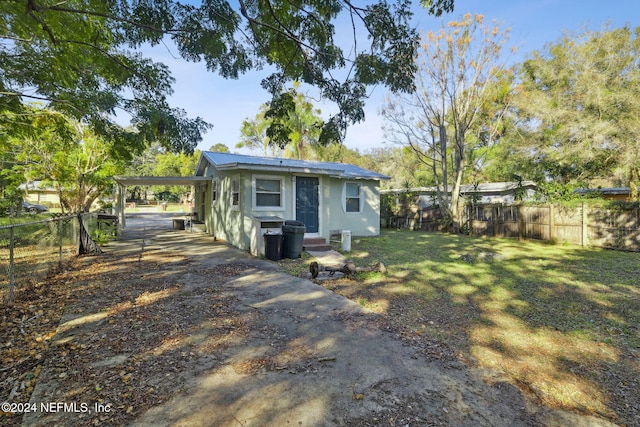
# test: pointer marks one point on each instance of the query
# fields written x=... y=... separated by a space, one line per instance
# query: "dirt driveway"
x=172 y=328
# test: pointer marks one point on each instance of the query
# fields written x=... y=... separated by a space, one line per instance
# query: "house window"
x=214 y=190
x=268 y=192
x=352 y=197
x=235 y=194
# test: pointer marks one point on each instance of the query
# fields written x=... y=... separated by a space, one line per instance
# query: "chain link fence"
x=31 y=251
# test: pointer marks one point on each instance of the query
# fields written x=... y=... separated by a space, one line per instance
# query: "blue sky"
x=533 y=23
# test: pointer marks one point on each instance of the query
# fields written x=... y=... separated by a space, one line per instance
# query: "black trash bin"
x=273 y=246
x=293 y=232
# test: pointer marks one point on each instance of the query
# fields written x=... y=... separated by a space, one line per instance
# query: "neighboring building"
x=249 y=195
x=41 y=193
x=487 y=193
x=614 y=193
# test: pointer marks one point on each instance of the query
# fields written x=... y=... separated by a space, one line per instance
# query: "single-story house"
x=247 y=196
x=41 y=193
x=485 y=193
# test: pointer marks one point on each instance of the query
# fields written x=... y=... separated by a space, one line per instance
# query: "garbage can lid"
x=294 y=223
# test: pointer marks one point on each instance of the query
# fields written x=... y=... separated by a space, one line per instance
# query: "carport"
x=199 y=185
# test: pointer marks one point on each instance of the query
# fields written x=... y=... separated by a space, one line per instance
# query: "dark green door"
x=307 y=202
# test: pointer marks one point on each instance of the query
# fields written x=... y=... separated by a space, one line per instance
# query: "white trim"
x=254 y=205
x=344 y=198
x=215 y=188
x=234 y=178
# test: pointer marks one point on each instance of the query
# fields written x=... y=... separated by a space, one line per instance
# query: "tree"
x=68 y=156
x=290 y=134
x=219 y=147
x=580 y=110
x=459 y=77
x=10 y=180
x=81 y=57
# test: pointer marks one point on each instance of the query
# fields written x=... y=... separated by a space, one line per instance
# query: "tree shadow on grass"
x=560 y=321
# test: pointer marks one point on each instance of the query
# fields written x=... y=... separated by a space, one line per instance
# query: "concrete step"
x=315 y=244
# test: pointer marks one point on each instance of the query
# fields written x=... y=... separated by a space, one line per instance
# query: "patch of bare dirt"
x=102 y=363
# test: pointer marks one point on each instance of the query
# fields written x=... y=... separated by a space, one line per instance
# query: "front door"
x=307 y=202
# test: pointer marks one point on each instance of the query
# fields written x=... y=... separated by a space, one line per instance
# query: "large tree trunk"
x=443 y=196
x=458 y=165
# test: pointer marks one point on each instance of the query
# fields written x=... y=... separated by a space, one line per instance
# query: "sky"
x=534 y=23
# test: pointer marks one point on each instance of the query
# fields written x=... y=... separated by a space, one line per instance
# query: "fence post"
x=60 y=226
x=585 y=218
x=12 y=279
x=521 y=225
x=551 y=223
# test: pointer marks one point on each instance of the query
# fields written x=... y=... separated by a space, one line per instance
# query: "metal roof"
x=228 y=161
x=609 y=190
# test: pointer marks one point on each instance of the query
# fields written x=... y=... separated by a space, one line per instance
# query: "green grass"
x=561 y=321
x=24 y=218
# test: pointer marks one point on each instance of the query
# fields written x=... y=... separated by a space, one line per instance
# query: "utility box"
x=261 y=225
x=293 y=232
x=346 y=240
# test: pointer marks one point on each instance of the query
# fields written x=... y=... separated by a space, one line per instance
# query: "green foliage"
x=456 y=112
x=288 y=125
x=102 y=237
x=580 y=118
x=82 y=57
x=64 y=154
x=219 y=147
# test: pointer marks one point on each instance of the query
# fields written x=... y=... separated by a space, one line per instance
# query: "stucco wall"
x=366 y=223
x=235 y=225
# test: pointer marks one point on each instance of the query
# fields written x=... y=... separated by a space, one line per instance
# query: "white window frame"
x=214 y=191
x=234 y=181
x=360 y=198
x=254 y=193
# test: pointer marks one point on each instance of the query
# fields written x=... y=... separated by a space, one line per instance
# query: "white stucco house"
x=240 y=197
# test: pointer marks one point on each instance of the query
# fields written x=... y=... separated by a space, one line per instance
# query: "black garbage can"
x=273 y=246
x=293 y=232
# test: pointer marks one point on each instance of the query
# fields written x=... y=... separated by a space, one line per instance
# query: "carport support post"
x=119 y=198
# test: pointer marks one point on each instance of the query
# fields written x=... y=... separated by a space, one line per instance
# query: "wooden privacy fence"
x=582 y=225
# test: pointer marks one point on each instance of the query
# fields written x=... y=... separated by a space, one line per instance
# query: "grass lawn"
x=561 y=322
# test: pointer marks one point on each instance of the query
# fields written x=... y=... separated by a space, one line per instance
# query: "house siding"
x=366 y=223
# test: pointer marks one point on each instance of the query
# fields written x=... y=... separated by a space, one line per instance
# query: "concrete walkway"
x=298 y=355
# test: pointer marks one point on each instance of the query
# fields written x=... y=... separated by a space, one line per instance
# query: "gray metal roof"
x=609 y=190
x=228 y=161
